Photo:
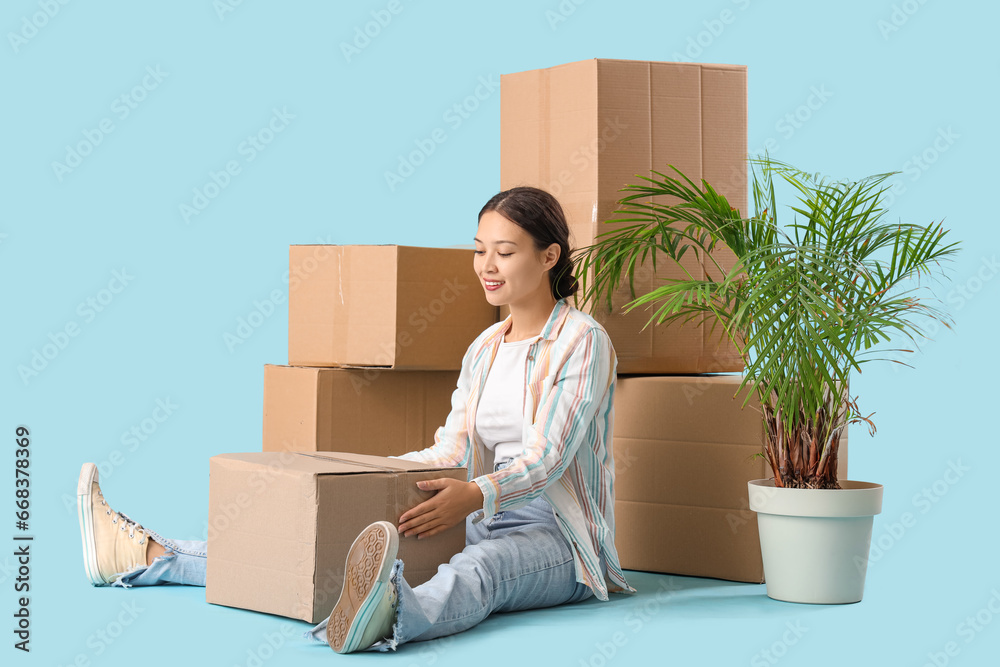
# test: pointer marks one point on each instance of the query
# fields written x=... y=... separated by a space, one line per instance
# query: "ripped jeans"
x=184 y=563
x=517 y=559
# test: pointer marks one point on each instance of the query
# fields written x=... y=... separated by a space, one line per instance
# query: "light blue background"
x=890 y=95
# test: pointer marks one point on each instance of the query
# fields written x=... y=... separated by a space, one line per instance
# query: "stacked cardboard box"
x=376 y=340
x=376 y=336
x=683 y=448
x=383 y=306
x=367 y=410
x=584 y=130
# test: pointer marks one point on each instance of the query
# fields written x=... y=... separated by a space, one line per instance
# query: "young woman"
x=531 y=418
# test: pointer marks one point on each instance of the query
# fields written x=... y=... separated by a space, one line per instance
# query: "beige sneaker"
x=366 y=609
x=113 y=544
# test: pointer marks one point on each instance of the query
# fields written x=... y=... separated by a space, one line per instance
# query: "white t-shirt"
x=500 y=415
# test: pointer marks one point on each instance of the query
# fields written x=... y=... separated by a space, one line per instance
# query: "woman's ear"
x=551 y=255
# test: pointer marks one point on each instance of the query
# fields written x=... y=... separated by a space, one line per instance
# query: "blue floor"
x=672 y=620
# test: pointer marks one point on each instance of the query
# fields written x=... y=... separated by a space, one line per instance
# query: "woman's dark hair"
x=539 y=213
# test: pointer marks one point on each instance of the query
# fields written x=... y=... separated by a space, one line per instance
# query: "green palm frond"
x=805 y=304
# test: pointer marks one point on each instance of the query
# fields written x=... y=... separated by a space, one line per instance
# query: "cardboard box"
x=280 y=526
x=368 y=411
x=684 y=451
x=584 y=130
x=387 y=306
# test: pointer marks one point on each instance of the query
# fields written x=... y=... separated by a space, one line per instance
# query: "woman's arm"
x=454 y=500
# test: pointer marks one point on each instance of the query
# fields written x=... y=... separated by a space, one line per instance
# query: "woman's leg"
x=183 y=562
x=120 y=552
x=520 y=560
x=516 y=560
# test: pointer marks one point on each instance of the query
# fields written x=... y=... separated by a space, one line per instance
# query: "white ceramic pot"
x=814 y=542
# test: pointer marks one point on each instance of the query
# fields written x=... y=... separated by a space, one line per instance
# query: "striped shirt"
x=568 y=420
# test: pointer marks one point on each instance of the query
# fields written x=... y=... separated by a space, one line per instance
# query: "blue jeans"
x=184 y=563
x=517 y=559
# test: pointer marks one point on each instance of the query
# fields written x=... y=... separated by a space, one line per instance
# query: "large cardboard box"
x=584 y=130
x=280 y=526
x=368 y=411
x=684 y=451
x=389 y=306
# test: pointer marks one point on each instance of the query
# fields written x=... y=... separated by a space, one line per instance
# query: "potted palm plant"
x=805 y=304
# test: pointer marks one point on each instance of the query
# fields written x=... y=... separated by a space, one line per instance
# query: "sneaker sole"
x=85 y=513
x=366 y=574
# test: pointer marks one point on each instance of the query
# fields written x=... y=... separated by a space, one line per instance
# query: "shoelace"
x=132 y=525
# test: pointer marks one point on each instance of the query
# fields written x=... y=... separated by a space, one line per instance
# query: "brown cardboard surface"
x=684 y=451
x=280 y=525
x=370 y=411
x=689 y=540
x=584 y=130
x=387 y=306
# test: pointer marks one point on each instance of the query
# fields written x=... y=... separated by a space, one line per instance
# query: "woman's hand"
x=453 y=502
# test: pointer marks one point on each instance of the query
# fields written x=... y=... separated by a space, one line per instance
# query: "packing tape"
x=340 y=273
x=357 y=463
x=340 y=314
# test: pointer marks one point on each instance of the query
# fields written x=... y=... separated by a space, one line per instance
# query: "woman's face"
x=509 y=268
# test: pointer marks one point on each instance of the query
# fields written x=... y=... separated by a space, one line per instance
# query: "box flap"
x=317 y=463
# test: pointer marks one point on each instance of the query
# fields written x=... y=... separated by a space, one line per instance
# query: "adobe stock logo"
x=562 y=12
x=87 y=310
x=250 y=148
x=122 y=107
x=223 y=7
x=779 y=648
x=31 y=25
x=901 y=13
x=920 y=162
x=363 y=35
x=714 y=27
x=455 y=115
